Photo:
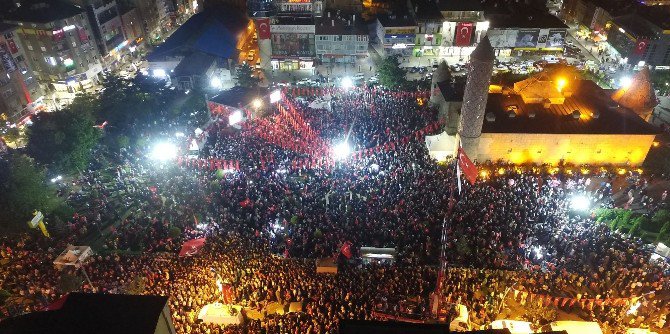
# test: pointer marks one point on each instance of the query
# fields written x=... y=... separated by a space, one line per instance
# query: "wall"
x=574 y=148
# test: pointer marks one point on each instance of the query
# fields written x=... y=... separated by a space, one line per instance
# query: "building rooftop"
x=636 y=26
x=213 y=32
x=238 y=96
x=196 y=63
x=460 y=5
x=523 y=17
x=598 y=114
x=92 y=313
x=426 y=10
x=43 y=11
x=393 y=20
x=342 y=25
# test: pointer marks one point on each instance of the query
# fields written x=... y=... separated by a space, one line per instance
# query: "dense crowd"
x=266 y=224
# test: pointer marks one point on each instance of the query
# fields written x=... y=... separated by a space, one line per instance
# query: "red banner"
x=192 y=247
x=464 y=34
x=346 y=249
x=263 y=28
x=12 y=46
x=641 y=46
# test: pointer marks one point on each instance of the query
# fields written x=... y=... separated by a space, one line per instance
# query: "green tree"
x=638 y=225
x=390 y=74
x=174 y=232
x=660 y=219
x=245 y=76
x=24 y=189
x=64 y=139
x=664 y=235
x=12 y=134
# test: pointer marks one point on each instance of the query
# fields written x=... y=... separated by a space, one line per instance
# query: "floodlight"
x=347 y=83
x=257 y=103
x=235 y=118
x=215 y=82
x=275 y=96
x=625 y=82
x=560 y=84
x=163 y=151
x=580 y=203
x=341 y=151
x=159 y=73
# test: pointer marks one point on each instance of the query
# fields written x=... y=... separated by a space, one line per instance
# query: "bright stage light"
x=625 y=82
x=275 y=96
x=560 y=84
x=257 y=103
x=163 y=151
x=159 y=73
x=341 y=151
x=580 y=203
x=235 y=118
x=215 y=82
x=347 y=83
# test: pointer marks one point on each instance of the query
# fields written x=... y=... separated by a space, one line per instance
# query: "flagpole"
x=443 y=242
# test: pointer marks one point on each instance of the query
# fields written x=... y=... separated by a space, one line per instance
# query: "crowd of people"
x=266 y=224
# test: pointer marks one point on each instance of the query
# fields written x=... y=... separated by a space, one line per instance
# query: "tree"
x=390 y=74
x=639 y=224
x=136 y=285
x=69 y=281
x=660 y=219
x=245 y=76
x=664 y=235
x=24 y=189
x=64 y=139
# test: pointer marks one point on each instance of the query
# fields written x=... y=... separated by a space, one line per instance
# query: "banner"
x=7 y=60
x=12 y=46
x=527 y=38
x=556 y=38
x=33 y=223
x=192 y=247
x=464 y=34
x=263 y=28
x=641 y=46
x=542 y=38
x=346 y=249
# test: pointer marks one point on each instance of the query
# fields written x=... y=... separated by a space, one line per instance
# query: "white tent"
x=514 y=326
x=73 y=256
x=576 y=327
x=441 y=146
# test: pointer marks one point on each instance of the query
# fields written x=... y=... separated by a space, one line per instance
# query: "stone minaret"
x=475 y=96
x=639 y=95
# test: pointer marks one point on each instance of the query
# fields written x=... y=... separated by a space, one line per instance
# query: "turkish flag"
x=12 y=46
x=463 y=34
x=468 y=168
x=263 y=28
x=346 y=249
x=641 y=46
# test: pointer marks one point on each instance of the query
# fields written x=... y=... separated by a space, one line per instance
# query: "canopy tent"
x=441 y=146
x=326 y=266
x=73 y=256
x=576 y=327
x=192 y=247
x=221 y=314
x=378 y=254
x=514 y=326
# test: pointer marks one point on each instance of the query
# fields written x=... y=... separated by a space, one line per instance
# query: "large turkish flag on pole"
x=464 y=34
x=263 y=27
x=468 y=168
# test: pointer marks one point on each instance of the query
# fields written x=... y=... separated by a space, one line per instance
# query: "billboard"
x=296 y=45
x=527 y=38
x=502 y=38
x=464 y=32
x=556 y=38
x=7 y=60
x=542 y=38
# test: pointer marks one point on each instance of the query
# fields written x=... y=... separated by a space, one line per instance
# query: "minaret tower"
x=475 y=96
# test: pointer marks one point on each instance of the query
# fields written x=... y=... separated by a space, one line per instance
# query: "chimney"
x=332 y=22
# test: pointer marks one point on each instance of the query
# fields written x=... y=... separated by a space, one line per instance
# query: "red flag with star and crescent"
x=468 y=168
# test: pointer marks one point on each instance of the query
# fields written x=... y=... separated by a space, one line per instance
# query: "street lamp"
x=580 y=203
x=347 y=83
x=560 y=84
x=163 y=151
x=257 y=103
x=341 y=151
